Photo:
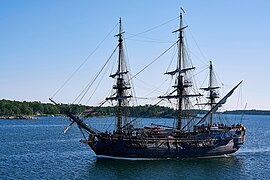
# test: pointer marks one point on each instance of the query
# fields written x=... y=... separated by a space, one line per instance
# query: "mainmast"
x=121 y=84
x=182 y=83
x=180 y=87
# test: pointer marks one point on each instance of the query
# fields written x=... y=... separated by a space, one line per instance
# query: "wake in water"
x=253 y=150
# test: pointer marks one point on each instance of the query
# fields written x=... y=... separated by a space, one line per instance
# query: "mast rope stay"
x=148 y=39
x=89 y=85
x=153 y=28
x=153 y=61
x=96 y=88
x=219 y=104
x=80 y=66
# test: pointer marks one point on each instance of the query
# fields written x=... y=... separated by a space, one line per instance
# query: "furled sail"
x=219 y=104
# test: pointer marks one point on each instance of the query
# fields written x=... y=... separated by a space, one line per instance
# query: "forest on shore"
x=16 y=108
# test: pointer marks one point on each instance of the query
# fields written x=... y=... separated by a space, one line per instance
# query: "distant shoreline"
x=31 y=110
x=18 y=117
x=36 y=117
x=249 y=112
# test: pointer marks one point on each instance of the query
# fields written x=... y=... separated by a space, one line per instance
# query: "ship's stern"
x=239 y=137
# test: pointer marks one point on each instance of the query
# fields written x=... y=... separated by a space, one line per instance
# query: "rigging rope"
x=87 y=58
x=97 y=86
x=89 y=85
x=153 y=28
x=189 y=29
x=94 y=90
x=153 y=61
x=151 y=87
x=149 y=39
x=146 y=111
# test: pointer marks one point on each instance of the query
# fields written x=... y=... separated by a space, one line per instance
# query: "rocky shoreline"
x=19 y=117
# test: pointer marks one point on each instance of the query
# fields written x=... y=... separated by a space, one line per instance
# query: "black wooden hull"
x=165 y=148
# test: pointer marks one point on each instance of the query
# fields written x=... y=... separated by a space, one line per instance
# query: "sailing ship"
x=204 y=137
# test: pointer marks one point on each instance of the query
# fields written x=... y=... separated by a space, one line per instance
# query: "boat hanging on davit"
x=199 y=136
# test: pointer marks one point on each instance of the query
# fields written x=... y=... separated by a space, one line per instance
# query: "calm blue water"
x=39 y=150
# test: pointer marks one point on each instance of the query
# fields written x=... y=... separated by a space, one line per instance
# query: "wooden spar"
x=120 y=86
x=212 y=92
x=180 y=88
x=219 y=104
x=212 y=99
x=180 y=72
x=79 y=122
x=119 y=80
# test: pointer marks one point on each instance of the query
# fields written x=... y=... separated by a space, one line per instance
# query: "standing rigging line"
x=89 y=85
x=129 y=74
x=155 y=88
x=153 y=61
x=87 y=58
x=205 y=59
x=150 y=40
x=242 y=116
x=152 y=28
x=219 y=78
x=173 y=56
x=96 y=88
x=145 y=111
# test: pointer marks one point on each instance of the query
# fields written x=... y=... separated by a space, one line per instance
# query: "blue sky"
x=43 y=42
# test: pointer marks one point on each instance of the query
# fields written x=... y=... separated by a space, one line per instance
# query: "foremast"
x=121 y=85
x=120 y=95
x=182 y=82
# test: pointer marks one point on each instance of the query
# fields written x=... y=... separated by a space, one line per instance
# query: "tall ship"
x=192 y=135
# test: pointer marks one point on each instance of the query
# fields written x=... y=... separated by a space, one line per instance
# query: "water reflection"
x=193 y=168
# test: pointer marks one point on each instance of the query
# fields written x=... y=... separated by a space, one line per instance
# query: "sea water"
x=38 y=149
